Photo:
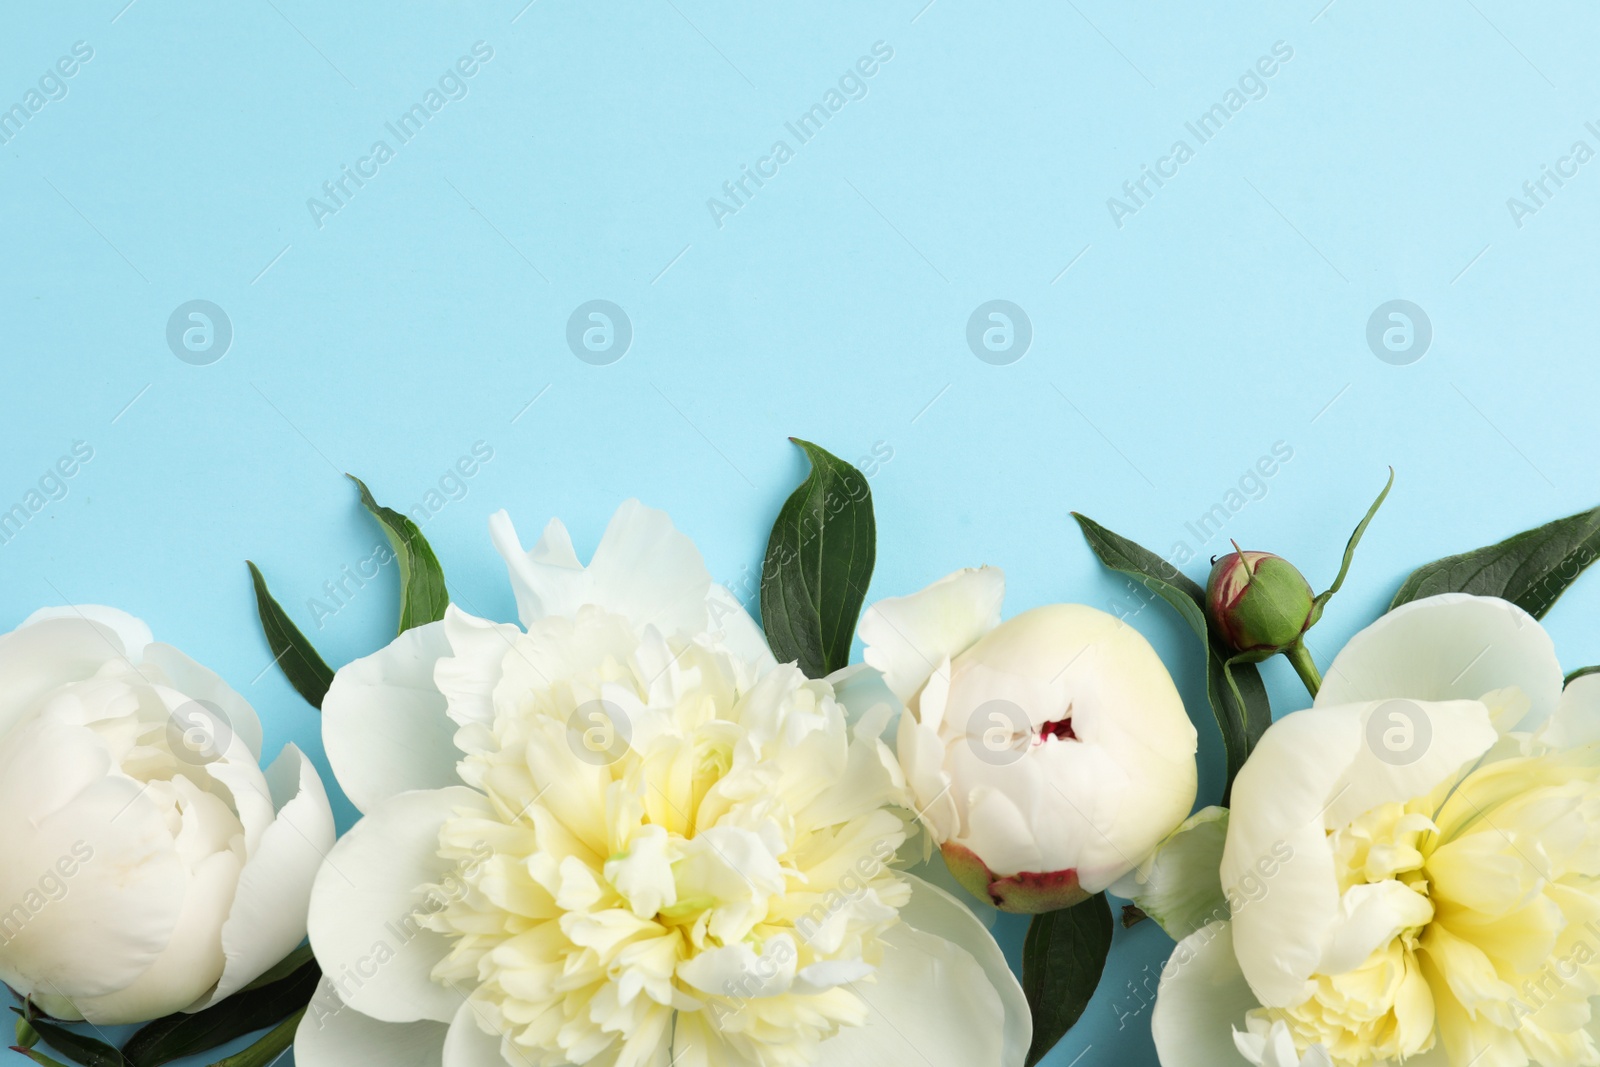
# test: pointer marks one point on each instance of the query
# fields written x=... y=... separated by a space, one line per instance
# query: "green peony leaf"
x=423 y=596
x=819 y=561
x=301 y=664
x=1062 y=960
x=269 y=1048
x=71 y=1044
x=181 y=1034
x=1234 y=688
x=1531 y=569
x=36 y=1056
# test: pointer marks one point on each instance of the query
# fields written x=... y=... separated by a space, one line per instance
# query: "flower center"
x=717 y=880
x=1061 y=730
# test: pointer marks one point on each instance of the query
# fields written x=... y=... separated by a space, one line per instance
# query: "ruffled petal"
x=908 y=636
x=1448 y=647
x=644 y=569
x=1312 y=771
x=384 y=723
x=332 y=1034
x=1202 y=999
x=365 y=899
x=267 y=919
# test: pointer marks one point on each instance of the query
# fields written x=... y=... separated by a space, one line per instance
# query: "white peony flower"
x=1047 y=755
x=623 y=835
x=1417 y=859
x=150 y=866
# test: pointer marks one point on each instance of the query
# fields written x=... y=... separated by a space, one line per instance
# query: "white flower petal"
x=267 y=919
x=467 y=1044
x=1577 y=718
x=467 y=676
x=364 y=899
x=1202 y=999
x=908 y=636
x=1448 y=647
x=202 y=684
x=70 y=822
x=1372 y=915
x=191 y=961
x=930 y=1005
x=384 y=724
x=733 y=628
x=934 y=911
x=332 y=1034
x=644 y=569
x=38 y=657
x=133 y=632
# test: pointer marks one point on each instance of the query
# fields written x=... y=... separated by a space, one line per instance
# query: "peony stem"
x=1304 y=666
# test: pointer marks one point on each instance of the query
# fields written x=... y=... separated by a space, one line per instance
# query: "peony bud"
x=1046 y=755
x=1259 y=601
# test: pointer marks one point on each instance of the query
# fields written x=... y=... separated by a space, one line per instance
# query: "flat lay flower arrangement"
x=637 y=828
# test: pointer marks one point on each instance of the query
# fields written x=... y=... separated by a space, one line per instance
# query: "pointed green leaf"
x=1234 y=689
x=423 y=596
x=1531 y=569
x=819 y=562
x=269 y=1048
x=181 y=1034
x=300 y=663
x=1062 y=960
x=1350 y=552
x=37 y=1057
x=73 y=1045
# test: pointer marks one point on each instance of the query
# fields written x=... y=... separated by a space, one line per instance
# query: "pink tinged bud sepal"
x=1025 y=893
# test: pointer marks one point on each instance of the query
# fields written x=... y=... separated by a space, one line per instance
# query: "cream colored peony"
x=625 y=836
x=1047 y=754
x=151 y=866
x=1422 y=854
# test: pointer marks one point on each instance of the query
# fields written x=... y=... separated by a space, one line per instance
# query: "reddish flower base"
x=1025 y=893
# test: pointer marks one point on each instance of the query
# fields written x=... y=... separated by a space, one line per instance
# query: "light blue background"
x=1228 y=314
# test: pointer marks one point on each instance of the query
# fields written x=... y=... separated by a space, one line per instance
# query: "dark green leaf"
x=269 y=1048
x=1062 y=959
x=301 y=664
x=1579 y=673
x=1235 y=691
x=423 y=596
x=1531 y=569
x=75 y=1046
x=182 y=1035
x=819 y=561
x=37 y=1057
x=1350 y=552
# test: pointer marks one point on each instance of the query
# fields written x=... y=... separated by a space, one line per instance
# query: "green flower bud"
x=1258 y=601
